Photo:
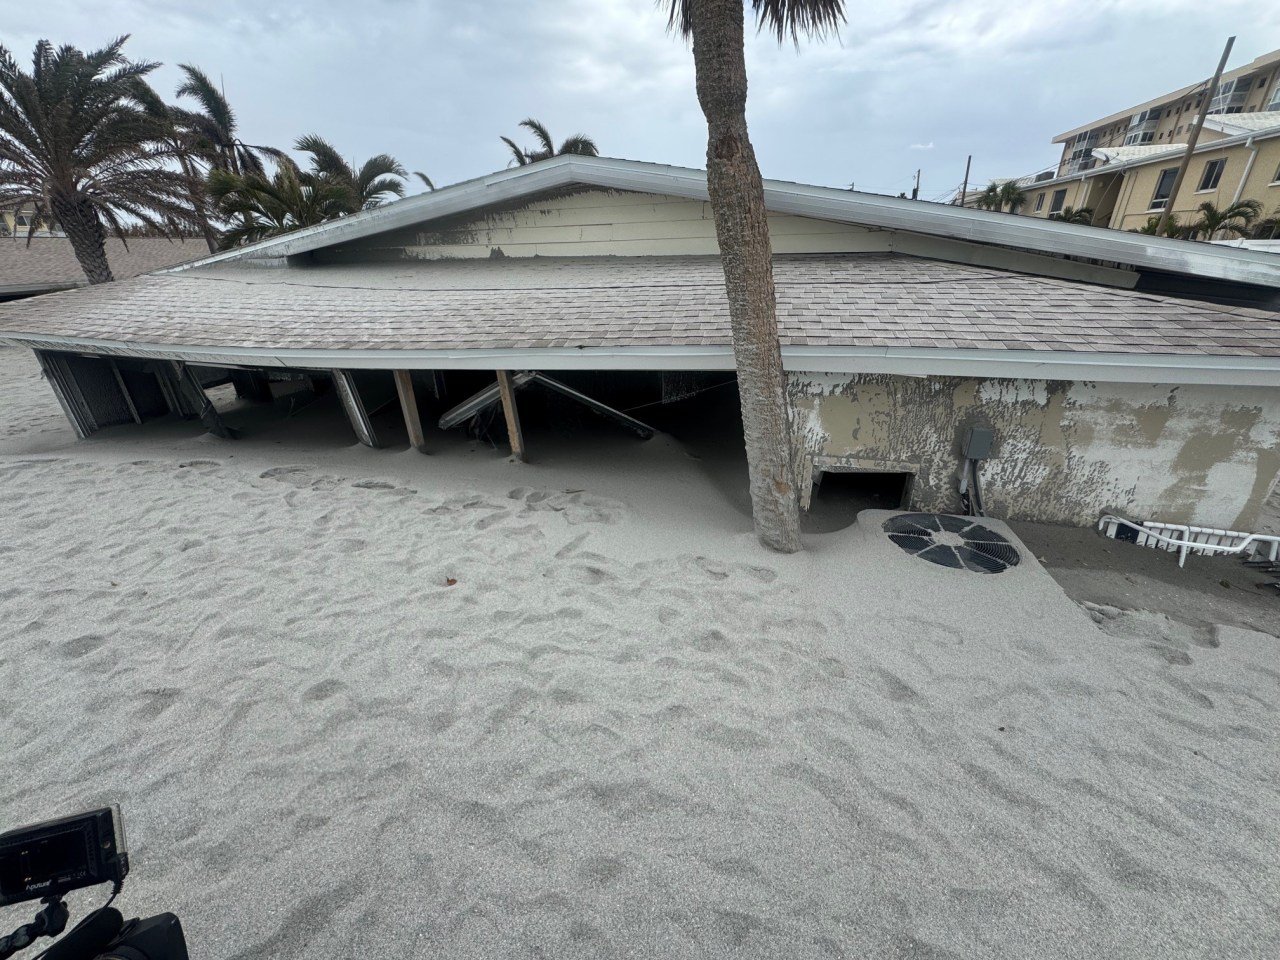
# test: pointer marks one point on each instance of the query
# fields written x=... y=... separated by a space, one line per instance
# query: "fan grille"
x=979 y=549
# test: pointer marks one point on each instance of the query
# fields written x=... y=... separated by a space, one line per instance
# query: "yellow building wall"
x=1074 y=190
x=1134 y=206
x=1137 y=185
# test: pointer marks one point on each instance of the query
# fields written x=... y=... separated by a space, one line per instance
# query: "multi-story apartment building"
x=1122 y=167
x=18 y=224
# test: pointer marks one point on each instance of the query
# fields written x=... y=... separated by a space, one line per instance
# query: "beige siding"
x=604 y=223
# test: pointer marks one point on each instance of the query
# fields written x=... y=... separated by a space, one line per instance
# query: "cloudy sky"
x=909 y=84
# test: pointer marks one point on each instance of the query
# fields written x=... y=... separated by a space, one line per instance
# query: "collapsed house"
x=1083 y=371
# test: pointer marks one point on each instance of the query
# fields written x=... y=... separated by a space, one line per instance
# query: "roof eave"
x=1172 y=369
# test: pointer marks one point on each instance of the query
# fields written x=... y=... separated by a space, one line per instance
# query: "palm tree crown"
x=1233 y=220
x=378 y=179
x=1071 y=215
x=577 y=144
x=258 y=206
x=213 y=128
x=78 y=146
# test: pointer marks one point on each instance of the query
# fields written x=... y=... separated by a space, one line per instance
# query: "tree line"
x=88 y=146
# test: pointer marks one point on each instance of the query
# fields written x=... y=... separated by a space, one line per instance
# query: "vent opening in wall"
x=838 y=495
x=956 y=542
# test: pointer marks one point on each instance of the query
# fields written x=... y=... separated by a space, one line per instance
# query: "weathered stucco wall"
x=1065 y=452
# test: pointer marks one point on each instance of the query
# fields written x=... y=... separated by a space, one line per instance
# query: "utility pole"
x=915 y=192
x=964 y=189
x=1194 y=136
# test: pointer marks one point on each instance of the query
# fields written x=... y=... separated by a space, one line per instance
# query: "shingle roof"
x=1243 y=122
x=1122 y=154
x=49 y=263
x=823 y=300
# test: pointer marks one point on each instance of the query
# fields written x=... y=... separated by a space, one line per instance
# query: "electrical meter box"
x=977 y=443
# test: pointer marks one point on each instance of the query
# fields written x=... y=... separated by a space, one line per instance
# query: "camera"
x=46 y=860
x=58 y=856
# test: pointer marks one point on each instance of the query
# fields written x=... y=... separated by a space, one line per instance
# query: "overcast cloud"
x=919 y=83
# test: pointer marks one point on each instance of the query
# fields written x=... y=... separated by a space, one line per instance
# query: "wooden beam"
x=349 y=393
x=190 y=387
x=514 y=433
x=124 y=390
x=409 y=407
x=639 y=428
x=55 y=373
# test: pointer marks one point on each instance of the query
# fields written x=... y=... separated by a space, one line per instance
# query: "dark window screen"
x=54 y=856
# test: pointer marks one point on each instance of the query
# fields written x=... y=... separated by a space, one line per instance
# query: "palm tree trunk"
x=742 y=229
x=199 y=203
x=80 y=222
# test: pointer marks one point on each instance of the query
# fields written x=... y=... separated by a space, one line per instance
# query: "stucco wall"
x=1065 y=452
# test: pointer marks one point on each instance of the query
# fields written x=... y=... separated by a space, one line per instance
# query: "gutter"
x=908 y=361
x=1248 y=169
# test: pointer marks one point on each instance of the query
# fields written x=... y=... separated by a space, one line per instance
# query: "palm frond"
x=199 y=87
x=517 y=154
x=581 y=145
x=425 y=179
x=541 y=134
x=325 y=158
x=812 y=18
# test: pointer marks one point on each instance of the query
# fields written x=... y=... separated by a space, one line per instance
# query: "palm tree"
x=77 y=146
x=1071 y=215
x=1269 y=228
x=426 y=181
x=736 y=190
x=1172 y=228
x=377 y=180
x=213 y=128
x=1233 y=220
x=1011 y=196
x=178 y=133
x=578 y=144
x=259 y=207
x=989 y=199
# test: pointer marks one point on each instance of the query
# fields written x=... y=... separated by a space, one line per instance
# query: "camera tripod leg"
x=49 y=922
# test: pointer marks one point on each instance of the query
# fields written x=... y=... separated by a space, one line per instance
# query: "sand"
x=360 y=702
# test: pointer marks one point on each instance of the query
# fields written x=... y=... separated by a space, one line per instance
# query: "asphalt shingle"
x=825 y=300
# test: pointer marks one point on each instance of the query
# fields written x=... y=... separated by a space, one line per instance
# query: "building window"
x=1276 y=178
x=1212 y=174
x=1059 y=198
x=1164 y=187
x=1040 y=200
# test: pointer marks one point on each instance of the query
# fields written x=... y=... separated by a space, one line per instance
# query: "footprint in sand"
x=323 y=690
x=80 y=646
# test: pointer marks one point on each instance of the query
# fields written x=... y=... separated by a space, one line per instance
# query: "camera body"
x=52 y=858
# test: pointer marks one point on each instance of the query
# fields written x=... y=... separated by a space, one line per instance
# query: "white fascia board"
x=822 y=203
x=909 y=361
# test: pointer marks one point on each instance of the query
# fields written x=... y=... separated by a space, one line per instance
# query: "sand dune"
x=506 y=712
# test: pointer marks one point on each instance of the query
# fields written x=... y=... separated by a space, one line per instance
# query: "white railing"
x=1184 y=538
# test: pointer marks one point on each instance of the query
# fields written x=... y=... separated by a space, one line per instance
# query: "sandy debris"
x=618 y=733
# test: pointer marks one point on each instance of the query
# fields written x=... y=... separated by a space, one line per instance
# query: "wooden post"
x=513 y=417
x=964 y=187
x=409 y=407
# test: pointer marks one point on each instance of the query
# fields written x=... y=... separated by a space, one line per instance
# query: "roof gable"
x=941 y=221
